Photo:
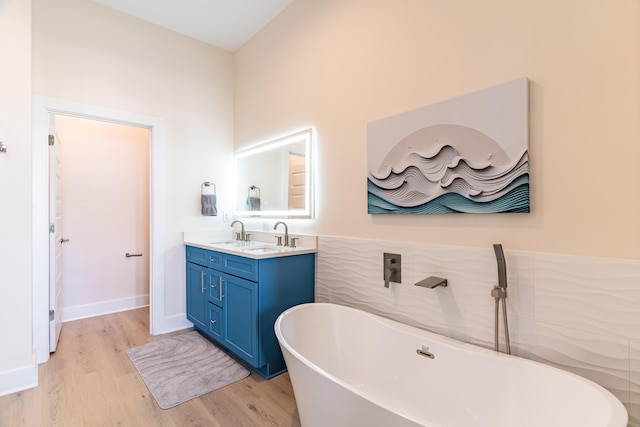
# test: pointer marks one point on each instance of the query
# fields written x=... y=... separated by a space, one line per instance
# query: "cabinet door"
x=196 y=297
x=240 y=299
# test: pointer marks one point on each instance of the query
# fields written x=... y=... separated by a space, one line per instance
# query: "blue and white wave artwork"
x=446 y=169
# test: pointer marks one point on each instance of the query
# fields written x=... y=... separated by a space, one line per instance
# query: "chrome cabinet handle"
x=128 y=255
x=220 y=288
x=213 y=321
x=202 y=281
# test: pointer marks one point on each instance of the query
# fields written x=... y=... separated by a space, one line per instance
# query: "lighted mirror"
x=274 y=179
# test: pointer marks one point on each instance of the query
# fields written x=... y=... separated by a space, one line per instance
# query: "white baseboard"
x=171 y=324
x=19 y=379
x=103 y=307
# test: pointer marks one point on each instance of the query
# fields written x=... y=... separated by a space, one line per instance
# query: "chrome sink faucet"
x=286 y=232
x=239 y=236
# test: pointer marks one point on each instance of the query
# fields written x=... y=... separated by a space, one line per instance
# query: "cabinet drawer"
x=215 y=321
x=215 y=260
x=214 y=293
x=204 y=257
x=197 y=256
x=246 y=268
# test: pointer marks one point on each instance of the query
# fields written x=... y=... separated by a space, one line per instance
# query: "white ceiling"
x=227 y=24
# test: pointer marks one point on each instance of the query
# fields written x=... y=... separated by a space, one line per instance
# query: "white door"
x=55 y=237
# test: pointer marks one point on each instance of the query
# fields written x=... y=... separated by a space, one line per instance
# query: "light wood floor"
x=90 y=381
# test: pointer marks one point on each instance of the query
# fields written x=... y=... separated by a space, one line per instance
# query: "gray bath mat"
x=183 y=367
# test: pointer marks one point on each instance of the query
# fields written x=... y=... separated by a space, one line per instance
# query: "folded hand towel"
x=209 y=205
x=253 y=203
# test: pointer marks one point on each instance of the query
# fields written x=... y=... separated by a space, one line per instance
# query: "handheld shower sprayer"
x=499 y=293
x=502 y=265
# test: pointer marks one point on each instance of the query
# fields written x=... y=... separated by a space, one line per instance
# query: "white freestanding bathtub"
x=351 y=368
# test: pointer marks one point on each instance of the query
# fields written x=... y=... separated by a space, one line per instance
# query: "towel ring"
x=207 y=184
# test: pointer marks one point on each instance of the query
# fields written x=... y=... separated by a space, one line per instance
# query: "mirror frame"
x=306 y=136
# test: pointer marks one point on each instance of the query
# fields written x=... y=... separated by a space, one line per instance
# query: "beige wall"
x=87 y=53
x=339 y=64
x=16 y=357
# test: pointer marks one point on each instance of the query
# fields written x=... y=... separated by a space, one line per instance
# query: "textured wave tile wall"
x=581 y=314
x=590 y=294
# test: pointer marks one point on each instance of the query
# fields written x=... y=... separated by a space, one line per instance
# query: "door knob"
x=63 y=240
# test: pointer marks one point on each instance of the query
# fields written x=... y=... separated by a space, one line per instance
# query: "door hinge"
x=51 y=140
x=52 y=315
x=52 y=228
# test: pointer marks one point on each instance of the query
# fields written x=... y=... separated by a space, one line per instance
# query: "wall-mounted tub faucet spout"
x=432 y=282
x=499 y=293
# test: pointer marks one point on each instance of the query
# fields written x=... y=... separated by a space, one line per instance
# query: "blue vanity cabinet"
x=243 y=297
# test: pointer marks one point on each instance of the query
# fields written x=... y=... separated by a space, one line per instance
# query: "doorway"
x=42 y=108
x=105 y=221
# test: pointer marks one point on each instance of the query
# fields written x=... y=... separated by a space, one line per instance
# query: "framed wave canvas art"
x=465 y=155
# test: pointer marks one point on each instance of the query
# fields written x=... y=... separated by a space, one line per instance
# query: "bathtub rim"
x=617 y=416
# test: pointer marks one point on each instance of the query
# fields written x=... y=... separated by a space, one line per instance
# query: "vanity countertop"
x=255 y=249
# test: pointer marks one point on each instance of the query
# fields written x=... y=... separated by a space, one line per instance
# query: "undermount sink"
x=261 y=250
